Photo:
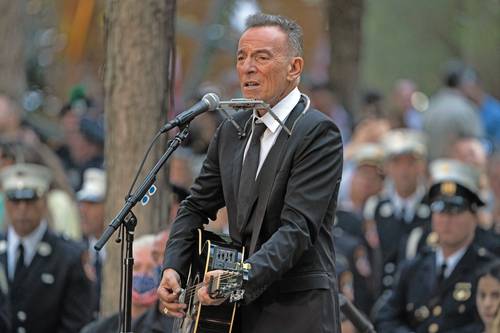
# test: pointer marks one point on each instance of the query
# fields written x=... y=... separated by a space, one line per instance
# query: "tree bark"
x=345 y=17
x=138 y=47
x=12 y=57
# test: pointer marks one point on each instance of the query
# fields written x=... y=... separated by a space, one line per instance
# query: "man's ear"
x=295 y=68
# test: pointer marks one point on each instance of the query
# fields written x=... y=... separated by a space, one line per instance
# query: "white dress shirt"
x=282 y=110
x=409 y=204
x=29 y=242
x=451 y=261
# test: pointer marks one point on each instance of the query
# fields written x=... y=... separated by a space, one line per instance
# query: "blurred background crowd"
x=428 y=91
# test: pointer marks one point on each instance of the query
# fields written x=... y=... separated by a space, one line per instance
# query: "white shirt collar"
x=451 y=261
x=282 y=109
x=30 y=244
x=409 y=203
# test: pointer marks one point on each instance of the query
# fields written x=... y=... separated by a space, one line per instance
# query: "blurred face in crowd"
x=454 y=230
x=494 y=175
x=9 y=117
x=266 y=68
x=92 y=218
x=365 y=182
x=25 y=215
x=402 y=93
x=488 y=299
x=405 y=170
x=159 y=247
x=144 y=280
x=471 y=152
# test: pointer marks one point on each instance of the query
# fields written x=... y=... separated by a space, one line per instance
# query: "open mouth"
x=251 y=84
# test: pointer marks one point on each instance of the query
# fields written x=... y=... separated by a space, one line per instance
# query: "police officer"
x=48 y=289
x=91 y=205
x=435 y=291
x=400 y=207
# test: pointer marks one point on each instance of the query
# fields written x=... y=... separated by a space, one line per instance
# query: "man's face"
x=405 y=170
x=266 y=69
x=365 y=182
x=143 y=261
x=92 y=218
x=454 y=230
x=25 y=215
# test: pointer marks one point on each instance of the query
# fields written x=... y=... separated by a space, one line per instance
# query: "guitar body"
x=213 y=252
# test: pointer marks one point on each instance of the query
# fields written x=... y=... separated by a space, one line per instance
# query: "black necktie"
x=250 y=165
x=441 y=275
x=20 y=267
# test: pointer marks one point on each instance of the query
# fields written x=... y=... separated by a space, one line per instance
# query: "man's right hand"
x=168 y=293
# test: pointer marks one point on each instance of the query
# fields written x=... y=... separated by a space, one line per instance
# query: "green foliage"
x=413 y=39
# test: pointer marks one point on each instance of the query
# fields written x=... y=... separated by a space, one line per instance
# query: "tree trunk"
x=12 y=61
x=345 y=18
x=139 y=40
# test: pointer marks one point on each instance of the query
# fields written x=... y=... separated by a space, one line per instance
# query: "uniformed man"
x=365 y=180
x=364 y=177
x=390 y=216
x=91 y=205
x=354 y=269
x=47 y=287
x=435 y=291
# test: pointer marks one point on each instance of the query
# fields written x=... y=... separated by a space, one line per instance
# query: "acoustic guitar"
x=214 y=252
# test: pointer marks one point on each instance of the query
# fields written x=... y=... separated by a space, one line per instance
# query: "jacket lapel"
x=465 y=263
x=266 y=177
x=4 y=280
x=239 y=151
x=43 y=251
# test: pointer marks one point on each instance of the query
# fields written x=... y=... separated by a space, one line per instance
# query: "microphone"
x=209 y=102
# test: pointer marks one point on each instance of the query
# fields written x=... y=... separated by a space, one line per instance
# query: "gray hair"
x=144 y=241
x=290 y=27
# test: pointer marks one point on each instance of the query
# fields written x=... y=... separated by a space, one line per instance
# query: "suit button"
x=21 y=315
x=433 y=328
x=437 y=311
x=389 y=268
x=387 y=281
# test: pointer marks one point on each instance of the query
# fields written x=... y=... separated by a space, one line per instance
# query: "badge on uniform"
x=423 y=211
x=44 y=249
x=386 y=210
x=448 y=188
x=463 y=291
x=48 y=278
x=422 y=313
x=3 y=246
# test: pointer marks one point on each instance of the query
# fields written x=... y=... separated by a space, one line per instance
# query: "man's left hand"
x=203 y=296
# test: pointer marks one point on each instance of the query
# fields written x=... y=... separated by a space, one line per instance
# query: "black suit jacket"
x=418 y=304
x=291 y=216
x=54 y=295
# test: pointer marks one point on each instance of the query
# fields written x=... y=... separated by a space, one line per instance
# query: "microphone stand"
x=360 y=322
x=126 y=217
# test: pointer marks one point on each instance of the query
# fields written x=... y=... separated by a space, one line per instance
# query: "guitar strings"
x=189 y=292
x=196 y=287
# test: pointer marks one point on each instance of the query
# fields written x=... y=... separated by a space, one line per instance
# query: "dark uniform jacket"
x=292 y=285
x=4 y=302
x=393 y=233
x=54 y=294
x=418 y=304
